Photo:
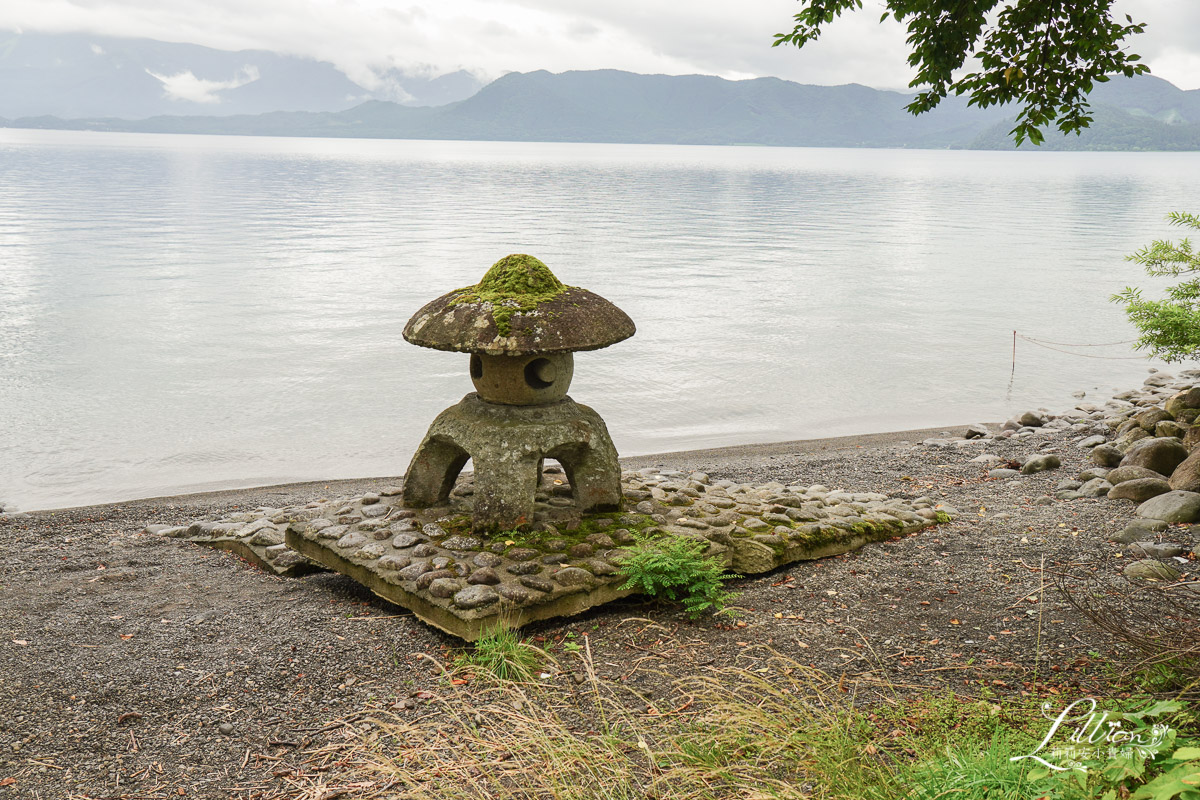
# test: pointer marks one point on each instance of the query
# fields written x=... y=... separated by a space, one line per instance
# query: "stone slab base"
x=257 y=539
x=468 y=612
x=430 y=562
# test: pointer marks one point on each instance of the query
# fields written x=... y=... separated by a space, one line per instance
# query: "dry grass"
x=764 y=729
x=733 y=733
x=1160 y=619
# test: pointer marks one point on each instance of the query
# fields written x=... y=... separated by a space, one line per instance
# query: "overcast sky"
x=730 y=38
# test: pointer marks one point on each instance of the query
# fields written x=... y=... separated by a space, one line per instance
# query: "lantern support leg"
x=504 y=492
x=508 y=445
x=594 y=475
x=432 y=473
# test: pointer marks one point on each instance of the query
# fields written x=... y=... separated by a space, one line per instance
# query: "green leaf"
x=1177 y=783
x=1186 y=754
x=1051 y=53
x=1163 y=707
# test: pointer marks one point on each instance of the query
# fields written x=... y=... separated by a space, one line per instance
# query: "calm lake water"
x=187 y=312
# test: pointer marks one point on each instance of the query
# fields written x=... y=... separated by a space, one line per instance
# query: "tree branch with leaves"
x=1170 y=327
x=1045 y=55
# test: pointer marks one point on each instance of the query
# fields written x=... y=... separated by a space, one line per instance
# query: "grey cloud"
x=582 y=29
x=365 y=38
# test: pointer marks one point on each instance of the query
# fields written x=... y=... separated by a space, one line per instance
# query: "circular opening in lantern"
x=540 y=373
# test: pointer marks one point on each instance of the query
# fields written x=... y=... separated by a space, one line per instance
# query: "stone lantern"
x=521 y=326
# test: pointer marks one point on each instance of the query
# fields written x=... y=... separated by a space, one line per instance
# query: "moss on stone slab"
x=589 y=524
x=516 y=284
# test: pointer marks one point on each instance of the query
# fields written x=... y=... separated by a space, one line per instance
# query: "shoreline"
x=120 y=633
x=728 y=457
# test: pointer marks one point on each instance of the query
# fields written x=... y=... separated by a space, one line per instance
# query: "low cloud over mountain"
x=73 y=76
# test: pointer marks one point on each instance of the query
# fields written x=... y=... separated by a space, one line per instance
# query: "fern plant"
x=675 y=568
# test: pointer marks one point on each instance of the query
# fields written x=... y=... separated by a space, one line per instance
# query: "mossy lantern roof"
x=519 y=308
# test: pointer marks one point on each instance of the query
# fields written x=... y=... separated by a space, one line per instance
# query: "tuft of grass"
x=1173 y=677
x=501 y=655
x=978 y=769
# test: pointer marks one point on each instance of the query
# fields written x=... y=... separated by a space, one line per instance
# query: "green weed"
x=501 y=654
x=675 y=568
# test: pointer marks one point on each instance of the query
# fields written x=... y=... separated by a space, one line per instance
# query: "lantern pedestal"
x=507 y=445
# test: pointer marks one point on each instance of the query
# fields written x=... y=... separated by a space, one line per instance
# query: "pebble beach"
x=134 y=664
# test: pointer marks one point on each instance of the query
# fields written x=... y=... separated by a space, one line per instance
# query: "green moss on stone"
x=826 y=534
x=516 y=284
x=589 y=524
x=459 y=525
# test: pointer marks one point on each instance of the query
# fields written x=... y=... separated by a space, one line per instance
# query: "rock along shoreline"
x=113 y=629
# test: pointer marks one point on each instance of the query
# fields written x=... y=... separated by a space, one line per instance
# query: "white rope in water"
x=1048 y=346
x=1064 y=344
x=1057 y=347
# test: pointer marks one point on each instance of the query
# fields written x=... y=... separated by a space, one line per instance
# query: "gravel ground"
x=134 y=666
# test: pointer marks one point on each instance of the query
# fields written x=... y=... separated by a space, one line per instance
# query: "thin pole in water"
x=1012 y=374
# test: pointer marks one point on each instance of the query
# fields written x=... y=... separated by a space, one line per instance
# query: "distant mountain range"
x=1142 y=113
x=73 y=76
x=307 y=98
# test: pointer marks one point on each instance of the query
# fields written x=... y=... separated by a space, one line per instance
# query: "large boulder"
x=1096 y=487
x=1191 y=398
x=1186 y=476
x=1129 y=439
x=1031 y=419
x=1176 y=403
x=1174 y=506
x=1040 y=463
x=1149 y=569
x=1169 y=427
x=1191 y=437
x=1127 y=426
x=1147 y=419
x=1140 y=530
x=1131 y=473
x=1162 y=454
x=1106 y=455
x=1139 y=490
x=1158 y=549
x=1187 y=416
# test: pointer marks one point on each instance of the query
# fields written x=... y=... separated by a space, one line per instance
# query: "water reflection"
x=178 y=311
